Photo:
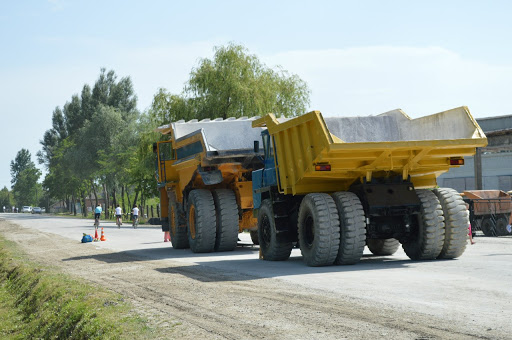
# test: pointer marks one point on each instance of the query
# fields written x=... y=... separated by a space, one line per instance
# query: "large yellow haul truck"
x=204 y=178
x=336 y=185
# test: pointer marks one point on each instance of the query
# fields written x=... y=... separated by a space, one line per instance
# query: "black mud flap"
x=211 y=177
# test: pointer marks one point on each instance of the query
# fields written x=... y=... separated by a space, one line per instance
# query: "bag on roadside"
x=86 y=238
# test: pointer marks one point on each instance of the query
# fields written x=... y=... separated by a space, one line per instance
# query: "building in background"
x=495 y=160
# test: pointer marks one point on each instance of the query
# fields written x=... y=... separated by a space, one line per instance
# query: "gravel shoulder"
x=194 y=301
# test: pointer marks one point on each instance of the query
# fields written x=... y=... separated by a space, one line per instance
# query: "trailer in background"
x=489 y=211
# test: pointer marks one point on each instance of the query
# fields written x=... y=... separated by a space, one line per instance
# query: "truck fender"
x=211 y=177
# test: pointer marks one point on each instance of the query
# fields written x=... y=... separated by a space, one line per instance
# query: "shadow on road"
x=164 y=253
x=216 y=267
x=250 y=269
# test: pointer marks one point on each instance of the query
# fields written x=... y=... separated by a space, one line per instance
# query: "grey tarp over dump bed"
x=395 y=126
x=238 y=134
x=221 y=135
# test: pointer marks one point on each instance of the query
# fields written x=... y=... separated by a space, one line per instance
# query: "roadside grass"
x=41 y=303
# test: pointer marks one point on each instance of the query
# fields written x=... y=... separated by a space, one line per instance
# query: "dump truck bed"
x=359 y=148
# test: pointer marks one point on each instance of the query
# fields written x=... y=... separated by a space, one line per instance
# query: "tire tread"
x=352 y=228
x=456 y=220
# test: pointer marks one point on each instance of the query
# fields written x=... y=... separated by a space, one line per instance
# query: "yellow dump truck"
x=204 y=178
x=336 y=185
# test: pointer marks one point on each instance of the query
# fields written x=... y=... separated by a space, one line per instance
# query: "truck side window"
x=267 y=146
x=166 y=151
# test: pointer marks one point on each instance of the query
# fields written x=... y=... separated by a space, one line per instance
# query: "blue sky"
x=358 y=57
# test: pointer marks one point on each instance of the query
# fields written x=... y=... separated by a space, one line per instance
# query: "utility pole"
x=478 y=169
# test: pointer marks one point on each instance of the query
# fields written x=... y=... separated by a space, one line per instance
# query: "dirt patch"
x=198 y=302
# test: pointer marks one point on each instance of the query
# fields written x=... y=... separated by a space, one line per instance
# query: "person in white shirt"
x=135 y=212
x=119 y=217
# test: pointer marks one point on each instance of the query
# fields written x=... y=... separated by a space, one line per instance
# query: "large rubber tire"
x=383 y=247
x=488 y=227
x=428 y=240
x=226 y=210
x=201 y=221
x=177 y=226
x=456 y=223
x=319 y=230
x=271 y=248
x=352 y=228
x=254 y=237
x=501 y=225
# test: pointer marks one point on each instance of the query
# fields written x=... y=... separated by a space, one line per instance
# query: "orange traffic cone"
x=103 y=238
x=167 y=236
x=96 y=238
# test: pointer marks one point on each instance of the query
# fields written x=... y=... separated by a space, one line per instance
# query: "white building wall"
x=496 y=173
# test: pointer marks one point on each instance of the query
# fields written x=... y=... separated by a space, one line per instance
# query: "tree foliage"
x=25 y=178
x=6 y=199
x=89 y=136
x=27 y=190
x=233 y=84
x=21 y=162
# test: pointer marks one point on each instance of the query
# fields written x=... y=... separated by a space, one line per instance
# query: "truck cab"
x=265 y=178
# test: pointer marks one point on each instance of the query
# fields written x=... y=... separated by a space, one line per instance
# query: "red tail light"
x=456 y=161
x=323 y=167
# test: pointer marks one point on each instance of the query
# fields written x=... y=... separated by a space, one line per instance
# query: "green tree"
x=52 y=137
x=6 y=199
x=167 y=107
x=235 y=84
x=142 y=160
x=25 y=177
x=27 y=191
x=80 y=151
x=21 y=162
x=232 y=84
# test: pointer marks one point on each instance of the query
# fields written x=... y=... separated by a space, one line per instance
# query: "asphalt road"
x=475 y=289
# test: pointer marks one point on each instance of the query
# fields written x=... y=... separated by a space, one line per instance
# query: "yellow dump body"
x=358 y=148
